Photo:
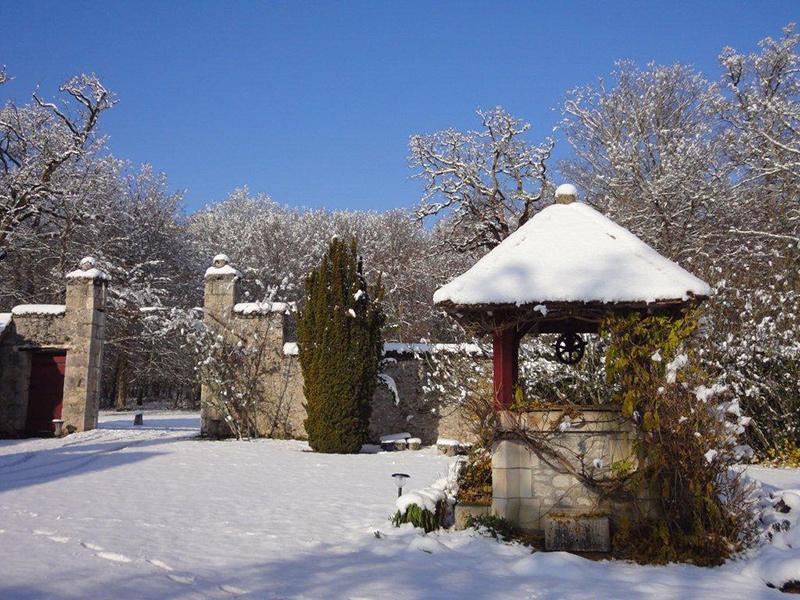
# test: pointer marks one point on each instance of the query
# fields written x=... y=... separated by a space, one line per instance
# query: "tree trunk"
x=122 y=388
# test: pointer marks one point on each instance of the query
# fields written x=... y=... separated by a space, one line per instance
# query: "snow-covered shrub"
x=544 y=380
x=245 y=373
x=778 y=563
x=423 y=508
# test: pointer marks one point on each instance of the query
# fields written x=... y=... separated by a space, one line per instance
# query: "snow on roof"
x=571 y=253
x=262 y=308
x=39 y=309
x=5 y=321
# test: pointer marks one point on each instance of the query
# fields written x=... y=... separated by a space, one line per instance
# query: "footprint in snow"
x=94 y=547
x=59 y=539
x=184 y=579
x=232 y=590
x=43 y=532
x=114 y=557
x=161 y=565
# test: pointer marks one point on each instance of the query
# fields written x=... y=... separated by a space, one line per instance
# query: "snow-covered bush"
x=423 y=508
x=778 y=563
x=245 y=373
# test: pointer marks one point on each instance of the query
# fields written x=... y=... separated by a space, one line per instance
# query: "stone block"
x=563 y=481
x=530 y=514
x=564 y=501
x=447 y=449
x=507 y=508
x=505 y=483
x=509 y=454
x=576 y=533
x=525 y=483
x=462 y=511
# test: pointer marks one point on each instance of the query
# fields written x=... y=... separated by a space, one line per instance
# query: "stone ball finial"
x=220 y=260
x=566 y=193
x=87 y=262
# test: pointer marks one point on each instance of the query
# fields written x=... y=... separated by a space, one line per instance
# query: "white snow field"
x=156 y=513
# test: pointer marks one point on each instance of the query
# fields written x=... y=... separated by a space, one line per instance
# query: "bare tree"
x=489 y=182
x=46 y=150
x=709 y=175
x=762 y=112
x=646 y=152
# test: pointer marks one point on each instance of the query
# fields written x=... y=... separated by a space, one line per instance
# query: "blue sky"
x=313 y=102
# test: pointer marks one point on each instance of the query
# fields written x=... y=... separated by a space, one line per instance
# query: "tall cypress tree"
x=339 y=339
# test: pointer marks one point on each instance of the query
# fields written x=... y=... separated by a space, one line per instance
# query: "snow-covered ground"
x=155 y=513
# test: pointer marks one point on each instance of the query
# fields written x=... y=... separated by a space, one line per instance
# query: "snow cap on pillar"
x=87 y=269
x=566 y=193
x=221 y=266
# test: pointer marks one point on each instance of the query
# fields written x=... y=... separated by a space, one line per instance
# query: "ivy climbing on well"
x=691 y=506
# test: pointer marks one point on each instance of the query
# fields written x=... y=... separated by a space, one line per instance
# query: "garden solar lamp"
x=400 y=480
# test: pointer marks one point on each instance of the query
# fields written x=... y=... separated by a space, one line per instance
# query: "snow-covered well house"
x=51 y=359
x=563 y=272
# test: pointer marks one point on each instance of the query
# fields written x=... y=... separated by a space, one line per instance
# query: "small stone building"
x=51 y=359
x=403 y=400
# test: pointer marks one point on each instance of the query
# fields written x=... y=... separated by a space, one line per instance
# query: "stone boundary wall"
x=526 y=490
x=77 y=328
x=426 y=414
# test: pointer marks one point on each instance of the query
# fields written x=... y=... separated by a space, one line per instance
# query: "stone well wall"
x=426 y=414
x=526 y=489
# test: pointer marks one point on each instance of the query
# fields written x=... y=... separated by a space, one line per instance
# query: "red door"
x=46 y=392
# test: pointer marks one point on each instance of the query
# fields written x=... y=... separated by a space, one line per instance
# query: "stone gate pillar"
x=218 y=301
x=85 y=324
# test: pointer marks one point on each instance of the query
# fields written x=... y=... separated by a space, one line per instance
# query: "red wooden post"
x=505 y=347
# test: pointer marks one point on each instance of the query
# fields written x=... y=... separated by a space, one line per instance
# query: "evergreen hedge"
x=339 y=341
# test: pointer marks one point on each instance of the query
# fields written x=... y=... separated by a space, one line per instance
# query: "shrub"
x=339 y=340
x=475 y=478
x=686 y=445
x=497 y=527
x=786 y=455
x=419 y=517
